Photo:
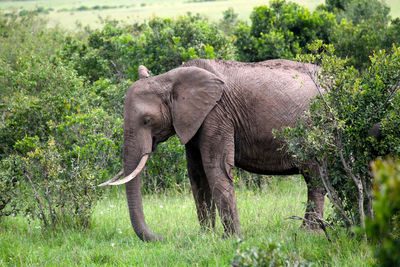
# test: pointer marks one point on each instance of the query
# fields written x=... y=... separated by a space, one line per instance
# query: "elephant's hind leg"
x=200 y=188
x=315 y=201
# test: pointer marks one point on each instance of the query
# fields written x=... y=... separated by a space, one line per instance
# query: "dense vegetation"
x=61 y=101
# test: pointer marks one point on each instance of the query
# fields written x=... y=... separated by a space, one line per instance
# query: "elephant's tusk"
x=138 y=169
x=113 y=179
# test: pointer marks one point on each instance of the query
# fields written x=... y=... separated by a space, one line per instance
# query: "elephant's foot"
x=228 y=235
x=206 y=228
x=231 y=224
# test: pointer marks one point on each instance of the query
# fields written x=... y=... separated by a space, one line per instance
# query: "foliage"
x=116 y=50
x=229 y=21
x=363 y=27
x=333 y=136
x=358 y=11
x=64 y=173
x=268 y=254
x=10 y=171
x=281 y=31
x=335 y=6
x=166 y=168
x=55 y=143
x=196 y=1
x=56 y=181
x=384 y=227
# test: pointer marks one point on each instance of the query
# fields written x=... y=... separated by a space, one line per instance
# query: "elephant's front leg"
x=217 y=153
x=200 y=188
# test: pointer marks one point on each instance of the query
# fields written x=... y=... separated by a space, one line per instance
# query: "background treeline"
x=61 y=94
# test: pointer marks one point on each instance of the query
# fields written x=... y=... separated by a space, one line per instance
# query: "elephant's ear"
x=143 y=72
x=195 y=92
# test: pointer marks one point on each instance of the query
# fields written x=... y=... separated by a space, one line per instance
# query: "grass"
x=132 y=11
x=111 y=241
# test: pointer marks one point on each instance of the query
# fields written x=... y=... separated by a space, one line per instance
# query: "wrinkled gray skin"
x=224 y=113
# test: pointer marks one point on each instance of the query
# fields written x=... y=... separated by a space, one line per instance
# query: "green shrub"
x=384 y=228
x=56 y=144
x=363 y=26
x=93 y=139
x=116 y=50
x=268 y=254
x=229 y=21
x=281 y=31
x=167 y=168
x=31 y=104
x=59 y=177
x=82 y=8
x=9 y=183
x=358 y=11
x=51 y=197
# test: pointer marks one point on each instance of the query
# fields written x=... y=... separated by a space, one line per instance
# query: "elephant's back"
x=276 y=90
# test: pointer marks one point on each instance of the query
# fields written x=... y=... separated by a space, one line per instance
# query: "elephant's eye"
x=146 y=121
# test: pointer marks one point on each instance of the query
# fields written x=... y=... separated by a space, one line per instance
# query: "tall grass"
x=111 y=241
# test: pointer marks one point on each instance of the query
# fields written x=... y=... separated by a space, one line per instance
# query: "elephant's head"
x=155 y=109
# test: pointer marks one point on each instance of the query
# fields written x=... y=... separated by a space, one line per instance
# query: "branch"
x=356 y=180
x=52 y=213
x=320 y=222
x=394 y=89
x=333 y=197
x=37 y=199
x=120 y=74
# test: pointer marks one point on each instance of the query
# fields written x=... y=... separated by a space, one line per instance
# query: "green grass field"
x=111 y=241
x=131 y=11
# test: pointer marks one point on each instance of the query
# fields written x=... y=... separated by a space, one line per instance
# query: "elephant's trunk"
x=136 y=153
x=134 y=196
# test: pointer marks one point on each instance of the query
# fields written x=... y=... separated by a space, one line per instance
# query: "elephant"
x=224 y=113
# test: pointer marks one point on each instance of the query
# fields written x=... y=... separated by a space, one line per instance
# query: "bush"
x=56 y=145
x=57 y=180
x=384 y=228
x=229 y=21
x=51 y=197
x=363 y=27
x=358 y=11
x=333 y=135
x=167 y=168
x=281 y=31
x=268 y=254
x=116 y=51
x=9 y=182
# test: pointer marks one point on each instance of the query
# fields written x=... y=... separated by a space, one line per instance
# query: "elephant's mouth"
x=154 y=144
